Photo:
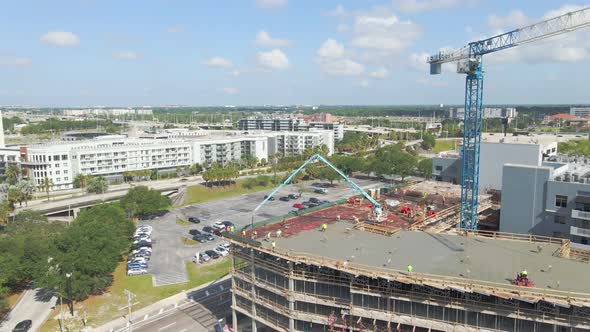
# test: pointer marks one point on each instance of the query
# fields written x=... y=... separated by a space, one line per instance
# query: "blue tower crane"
x=469 y=62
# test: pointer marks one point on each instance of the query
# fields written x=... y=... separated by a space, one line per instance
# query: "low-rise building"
x=487 y=113
x=580 y=111
x=290 y=124
x=549 y=199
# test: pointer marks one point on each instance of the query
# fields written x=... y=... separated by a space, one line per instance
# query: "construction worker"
x=232 y=229
x=524 y=273
x=244 y=233
x=338 y=217
x=268 y=236
x=324 y=227
x=273 y=244
x=254 y=233
x=279 y=232
x=410 y=268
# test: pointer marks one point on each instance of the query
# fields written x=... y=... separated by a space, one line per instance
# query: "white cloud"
x=415 y=6
x=230 y=91
x=127 y=55
x=516 y=18
x=364 y=83
x=235 y=73
x=175 y=29
x=218 y=62
x=271 y=4
x=274 y=59
x=332 y=58
x=418 y=61
x=380 y=74
x=331 y=49
x=569 y=47
x=339 y=11
x=15 y=62
x=384 y=33
x=60 y=39
x=265 y=40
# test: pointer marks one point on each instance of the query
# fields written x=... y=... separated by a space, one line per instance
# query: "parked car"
x=183 y=180
x=142 y=240
x=142 y=249
x=137 y=260
x=200 y=238
x=208 y=229
x=194 y=220
x=213 y=254
x=201 y=257
x=142 y=244
x=293 y=196
x=209 y=237
x=307 y=203
x=227 y=223
x=226 y=245
x=136 y=272
x=284 y=199
x=314 y=200
x=135 y=266
x=23 y=326
x=321 y=191
x=324 y=201
x=270 y=198
x=313 y=205
x=222 y=251
x=219 y=225
x=299 y=206
x=194 y=232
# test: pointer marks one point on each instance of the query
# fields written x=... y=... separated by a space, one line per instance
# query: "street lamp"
x=69 y=292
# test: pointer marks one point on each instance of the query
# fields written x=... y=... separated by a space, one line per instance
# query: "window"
x=56 y=157
x=559 y=219
x=56 y=165
x=66 y=179
x=560 y=201
x=438 y=168
x=64 y=157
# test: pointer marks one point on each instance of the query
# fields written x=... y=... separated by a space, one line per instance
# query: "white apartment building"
x=487 y=113
x=110 y=156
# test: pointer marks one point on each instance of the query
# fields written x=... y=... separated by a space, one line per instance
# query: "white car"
x=135 y=251
x=138 y=260
x=201 y=257
x=222 y=251
x=143 y=231
x=219 y=225
x=226 y=245
x=136 y=272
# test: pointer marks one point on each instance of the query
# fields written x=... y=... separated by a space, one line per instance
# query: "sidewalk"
x=154 y=309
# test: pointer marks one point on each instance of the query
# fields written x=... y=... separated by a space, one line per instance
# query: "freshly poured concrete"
x=476 y=258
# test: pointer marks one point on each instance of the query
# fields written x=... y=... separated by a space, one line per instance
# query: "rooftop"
x=469 y=257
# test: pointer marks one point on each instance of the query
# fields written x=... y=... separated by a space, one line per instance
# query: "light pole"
x=130 y=297
x=69 y=292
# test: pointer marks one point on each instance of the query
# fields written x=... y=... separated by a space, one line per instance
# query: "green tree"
x=15 y=195
x=428 y=141
x=12 y=173
x=97 y=185
x=4 y=212
x=328 y=174
x=47 y=185
x=196 y=169
x=141 y=200
x=81 y=180
x=425 y=168
x=26 y=188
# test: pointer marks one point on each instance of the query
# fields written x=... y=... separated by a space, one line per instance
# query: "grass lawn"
x=445 y=145
x=188 y=242
x=183 y=222
x=199 y=193
x=104 y=308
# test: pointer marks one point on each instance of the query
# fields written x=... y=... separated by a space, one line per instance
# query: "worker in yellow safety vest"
x=279 y=232
x=273 y=244
x=410 y=268
x=324 y=227
x=255 y=233
x=244 y=233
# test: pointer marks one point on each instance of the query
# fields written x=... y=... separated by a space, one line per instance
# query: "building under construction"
x=351 y=277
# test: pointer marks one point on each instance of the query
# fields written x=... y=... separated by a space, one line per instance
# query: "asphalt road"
x=169 y=254
x=35 y=305
x=197 y=316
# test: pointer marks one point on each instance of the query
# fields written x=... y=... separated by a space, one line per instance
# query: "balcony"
x=577 y=231
x=580 y=214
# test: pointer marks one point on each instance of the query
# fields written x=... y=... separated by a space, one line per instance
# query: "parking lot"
x=167 y=264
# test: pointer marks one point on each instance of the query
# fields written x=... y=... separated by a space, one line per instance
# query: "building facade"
x=487 y=113
x=583 y=112
x=110 y=156
x=552 y=199
x=290 y=124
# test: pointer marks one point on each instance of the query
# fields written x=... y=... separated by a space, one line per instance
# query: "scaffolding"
x=284 y=289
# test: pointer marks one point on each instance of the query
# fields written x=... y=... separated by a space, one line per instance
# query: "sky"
x=279 y=52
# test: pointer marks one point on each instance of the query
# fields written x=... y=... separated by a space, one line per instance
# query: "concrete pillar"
x=253 y=290
x=291 y=299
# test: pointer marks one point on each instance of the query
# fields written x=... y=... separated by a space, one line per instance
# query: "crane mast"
x=469 y=62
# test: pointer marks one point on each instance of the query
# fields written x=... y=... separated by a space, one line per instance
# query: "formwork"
x=309 y=283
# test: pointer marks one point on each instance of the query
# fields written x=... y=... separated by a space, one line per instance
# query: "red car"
x=299 y=206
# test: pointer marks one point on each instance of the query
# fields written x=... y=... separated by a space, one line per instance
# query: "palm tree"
x=12 y=173
x=81 y=180
x=47 y=184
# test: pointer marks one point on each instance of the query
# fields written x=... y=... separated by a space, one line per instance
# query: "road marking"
x=183 y=330
x=167 y=326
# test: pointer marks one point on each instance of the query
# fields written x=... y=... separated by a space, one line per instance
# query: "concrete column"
x=253 y=290
x=291 y=299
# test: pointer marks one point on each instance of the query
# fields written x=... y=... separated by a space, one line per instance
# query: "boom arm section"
x=325 y=161
x=537 y=31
